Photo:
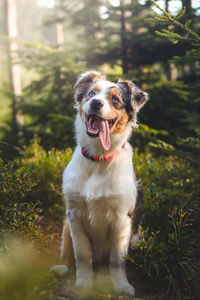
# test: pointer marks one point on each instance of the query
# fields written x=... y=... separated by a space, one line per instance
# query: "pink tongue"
x=104 y=134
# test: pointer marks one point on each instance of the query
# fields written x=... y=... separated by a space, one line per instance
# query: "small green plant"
x=46 y=168
x=166 y=18
x=169 y=253
x=18 y=213
x=24 y=273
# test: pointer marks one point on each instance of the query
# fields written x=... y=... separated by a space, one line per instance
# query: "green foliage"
x=171 y=34
x=169 y=254
x=46 y=168
x=144 y=136
x=164 y=111
x=182 y=115
x=24 y=273
x=137 y=38
x=18 y=213
x=47 y=101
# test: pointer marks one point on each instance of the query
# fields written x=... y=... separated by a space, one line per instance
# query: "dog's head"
x=105 y=107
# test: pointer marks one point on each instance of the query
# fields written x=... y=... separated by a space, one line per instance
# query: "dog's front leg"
x=83 y=254
x=119 y=249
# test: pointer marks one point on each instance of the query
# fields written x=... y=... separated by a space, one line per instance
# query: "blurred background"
x=44 y=46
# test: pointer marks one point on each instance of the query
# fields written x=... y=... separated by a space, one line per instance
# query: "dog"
x=99 y=184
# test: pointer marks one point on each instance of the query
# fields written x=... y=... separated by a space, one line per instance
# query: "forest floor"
x=64 y=289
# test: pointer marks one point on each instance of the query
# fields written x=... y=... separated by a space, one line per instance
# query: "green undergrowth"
x=18 y=212
x=169 y=254
x=24 y=272
x=168 y=259
x=46 y=168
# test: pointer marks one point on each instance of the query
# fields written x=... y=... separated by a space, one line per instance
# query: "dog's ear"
x=84 y=81
x=133 y=97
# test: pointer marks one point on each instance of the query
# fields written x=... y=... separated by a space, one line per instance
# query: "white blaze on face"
x=104 y=85
x=97 y=124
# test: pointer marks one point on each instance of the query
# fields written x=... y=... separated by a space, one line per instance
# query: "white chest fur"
x=87 y=181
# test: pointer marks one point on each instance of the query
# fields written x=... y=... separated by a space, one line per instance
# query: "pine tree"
x=48 y=99
x=14 y=68
x=189 y=138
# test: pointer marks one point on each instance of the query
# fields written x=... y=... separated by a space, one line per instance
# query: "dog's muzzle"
x=96 y=104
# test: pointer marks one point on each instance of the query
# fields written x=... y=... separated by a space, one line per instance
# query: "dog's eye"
x=91 y=94
x=115 y=99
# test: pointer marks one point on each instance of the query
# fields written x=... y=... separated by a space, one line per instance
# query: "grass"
x=169 y=252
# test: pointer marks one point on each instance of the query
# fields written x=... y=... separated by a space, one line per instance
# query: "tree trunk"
x=14 y=68
x=173 y=72
x=124 y=48
x=188 y=6
x=172 y=68
x=59 y=27
x=60 y=34
x=167 y=5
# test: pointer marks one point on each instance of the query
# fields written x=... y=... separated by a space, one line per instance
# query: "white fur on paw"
x=125 y=289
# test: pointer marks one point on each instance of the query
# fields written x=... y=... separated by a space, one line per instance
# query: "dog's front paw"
x=125 y=289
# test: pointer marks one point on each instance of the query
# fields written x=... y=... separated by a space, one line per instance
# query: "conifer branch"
x=176 y=22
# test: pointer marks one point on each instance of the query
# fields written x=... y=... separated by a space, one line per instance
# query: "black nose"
x=96 y=104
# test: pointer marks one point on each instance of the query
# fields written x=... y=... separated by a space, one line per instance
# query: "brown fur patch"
x=118 y=112
x=115 y=92
x=80 y=108
x=83 y=83
x=120 y=123
x=96 y=88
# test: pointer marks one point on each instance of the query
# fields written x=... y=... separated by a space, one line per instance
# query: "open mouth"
x=98 y=127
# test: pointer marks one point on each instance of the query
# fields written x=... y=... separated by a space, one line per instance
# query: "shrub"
x=18 y=213
x=46 y=168
x=169 y=254
x=24 y=273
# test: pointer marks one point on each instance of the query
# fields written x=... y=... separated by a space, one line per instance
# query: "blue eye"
x=91 y=94
x=115 y=99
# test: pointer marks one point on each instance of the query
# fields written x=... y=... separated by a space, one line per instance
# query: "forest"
x=44 y=46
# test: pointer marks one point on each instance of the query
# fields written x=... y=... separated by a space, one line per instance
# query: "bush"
x=46 y=168
x=24 y=273
x=47 y=102
x=18 y=213
x=169 y=254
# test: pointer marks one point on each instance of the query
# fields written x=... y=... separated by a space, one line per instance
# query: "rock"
x=59 y=270
x=68 y=292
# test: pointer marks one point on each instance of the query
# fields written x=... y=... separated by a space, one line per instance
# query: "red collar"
x=102 y=157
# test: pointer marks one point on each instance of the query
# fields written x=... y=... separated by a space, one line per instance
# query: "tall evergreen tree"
x=10 y=9
x=189 y=133
x=48 y=99
x=123 y=36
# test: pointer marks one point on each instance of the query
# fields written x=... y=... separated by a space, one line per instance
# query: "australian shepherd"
x=99 y=183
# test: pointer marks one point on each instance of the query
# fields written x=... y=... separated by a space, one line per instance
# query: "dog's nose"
x=96 y=104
